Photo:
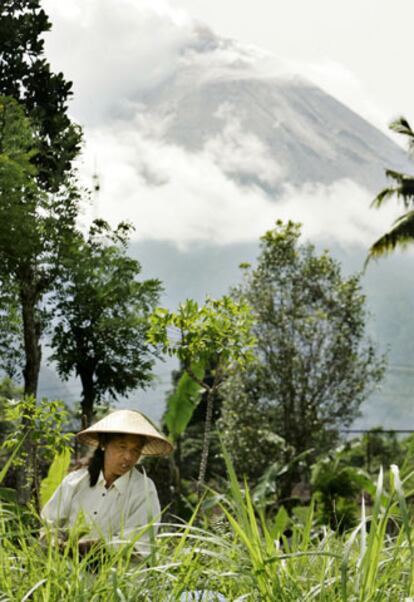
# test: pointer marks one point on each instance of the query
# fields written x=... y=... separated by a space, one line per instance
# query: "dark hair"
x=96 y=463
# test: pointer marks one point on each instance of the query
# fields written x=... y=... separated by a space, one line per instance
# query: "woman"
x=110 y=499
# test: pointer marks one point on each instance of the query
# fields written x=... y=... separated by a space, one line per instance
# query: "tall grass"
x=241 y=553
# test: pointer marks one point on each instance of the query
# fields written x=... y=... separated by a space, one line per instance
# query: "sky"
x=117 y=51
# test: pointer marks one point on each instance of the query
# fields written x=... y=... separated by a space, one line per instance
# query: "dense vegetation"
x=232 y=546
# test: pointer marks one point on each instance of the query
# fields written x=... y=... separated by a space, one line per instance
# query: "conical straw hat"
x=128 y=422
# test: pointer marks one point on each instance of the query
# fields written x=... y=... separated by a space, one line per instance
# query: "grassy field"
x=235 y=551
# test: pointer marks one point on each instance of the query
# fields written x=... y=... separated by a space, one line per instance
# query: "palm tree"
x=402 y=232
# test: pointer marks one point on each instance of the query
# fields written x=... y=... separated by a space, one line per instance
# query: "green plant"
x=314 y=363
x=239 y=553
x=57 y=471
x=101 y=312
x=209 y=340
x=44 y=424
x=401 y=233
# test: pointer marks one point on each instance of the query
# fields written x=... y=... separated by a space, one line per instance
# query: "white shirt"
x=116 y=514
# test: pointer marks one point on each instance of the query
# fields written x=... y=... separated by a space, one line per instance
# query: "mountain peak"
x=310 y=135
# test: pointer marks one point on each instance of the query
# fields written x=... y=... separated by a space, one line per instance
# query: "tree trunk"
x=88 y=396
x=31 y=333
x=26 y=478
x=206 y=440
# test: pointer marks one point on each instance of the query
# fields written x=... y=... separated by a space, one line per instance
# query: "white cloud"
x=173 y=194
x=114 y=50
x=338 y=212
x=240 y=153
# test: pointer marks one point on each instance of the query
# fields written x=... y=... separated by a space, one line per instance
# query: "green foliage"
x=25 y=75
x=402 y=232
x=38 y=201
x=57 y=471
x=270 y=486
x=44 y=420
x=101 y=312
x=8 y=391
x=16 y=446
x=11 y=331
x=374 y=449
x=182 y=402
x=35 y=229
x=336 y=487
x=215 y=335
x=20 y=198
x=338 y=479
x=314 y=364
x=34 y=434
x=246 y=430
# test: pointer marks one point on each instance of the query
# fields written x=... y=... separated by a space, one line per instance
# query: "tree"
x=248 y=428
x=402 y=232
x=102 y=313
x=185 y=420
x=39 y=208
x=209 y=341
x=25 y=75
x=38 y=201
x=11 y=334
x=35 y=230
x=314 y=365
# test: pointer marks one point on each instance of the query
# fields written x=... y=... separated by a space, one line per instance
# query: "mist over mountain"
x=202 y=143
x=225 y=139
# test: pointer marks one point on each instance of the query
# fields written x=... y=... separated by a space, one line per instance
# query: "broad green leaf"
x=182 y=403
x=57 y=472
x=280 y=522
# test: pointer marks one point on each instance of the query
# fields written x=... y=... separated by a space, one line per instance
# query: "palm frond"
x=404 y=189
x=383 y=196
x=401 y=126
x=401 y=235
x=402 y=232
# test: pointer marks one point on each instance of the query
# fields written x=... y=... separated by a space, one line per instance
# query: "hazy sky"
x=117 y=50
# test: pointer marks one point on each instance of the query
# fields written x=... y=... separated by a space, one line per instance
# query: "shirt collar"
x=120 y=483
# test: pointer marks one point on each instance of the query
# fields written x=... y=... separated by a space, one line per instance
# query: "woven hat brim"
x=128 y=422
x=154 y=446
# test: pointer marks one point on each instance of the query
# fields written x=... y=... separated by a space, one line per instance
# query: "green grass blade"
x=402 y=503
x=11 y=458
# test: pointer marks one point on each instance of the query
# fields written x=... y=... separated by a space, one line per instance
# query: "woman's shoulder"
x=140 y=477
x=75 y=477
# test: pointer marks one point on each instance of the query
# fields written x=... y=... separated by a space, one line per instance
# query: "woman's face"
x=121 y=454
